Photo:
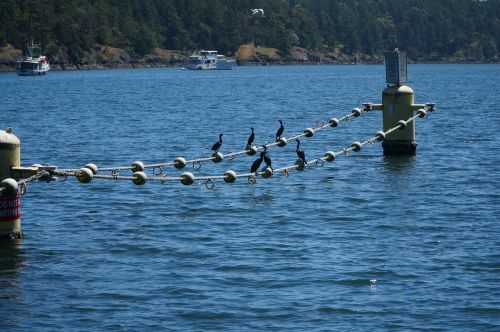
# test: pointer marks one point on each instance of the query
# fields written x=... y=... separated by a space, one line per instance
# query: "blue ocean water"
x=364 y=243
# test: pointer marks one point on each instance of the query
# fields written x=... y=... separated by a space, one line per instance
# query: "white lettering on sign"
x=10 y=208
x=9 y=212
x=9 y=204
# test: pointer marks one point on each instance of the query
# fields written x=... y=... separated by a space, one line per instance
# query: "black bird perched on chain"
x=280 y=131
x=257 y=162
x=300 y=153
x=267 y=159
x=217 y=145
x=250 y=139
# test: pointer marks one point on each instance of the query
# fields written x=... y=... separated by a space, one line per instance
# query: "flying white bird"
x=258 y=11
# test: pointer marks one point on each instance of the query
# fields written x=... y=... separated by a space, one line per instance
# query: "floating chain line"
x=38 y=175
x=23 y=182
x=285 y=170
x=230 y=155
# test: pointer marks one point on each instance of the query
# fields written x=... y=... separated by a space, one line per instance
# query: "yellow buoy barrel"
x=10 y=198
x=397 y=105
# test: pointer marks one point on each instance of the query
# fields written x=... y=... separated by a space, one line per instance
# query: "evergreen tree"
x=426 y=29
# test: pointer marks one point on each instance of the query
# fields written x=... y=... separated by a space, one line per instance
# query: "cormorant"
x=250 y=139
x=267 y=159
x=217 y=145
x=300 y=153
x=257 y=162
x=280 y=131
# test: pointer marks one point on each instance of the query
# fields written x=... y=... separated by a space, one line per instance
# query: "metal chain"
x=210 y=180
x=37 y=176
x=230 y=155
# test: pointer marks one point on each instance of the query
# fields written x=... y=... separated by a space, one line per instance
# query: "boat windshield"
x=207 y=53
x=28 y=65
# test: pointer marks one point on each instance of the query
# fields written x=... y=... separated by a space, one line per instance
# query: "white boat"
x=204 y=60
x=32 y=64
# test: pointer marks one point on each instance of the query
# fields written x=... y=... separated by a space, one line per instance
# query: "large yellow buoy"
x=397 y=107
x=10 y=153
x=10 y=200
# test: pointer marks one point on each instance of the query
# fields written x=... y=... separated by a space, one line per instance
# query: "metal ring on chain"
x=230 y=156
x=286 y=172
x=320 y=123
x=320 y=162
x=22 y=188
x=64 y=178
x=345 y=151
x=210 y=183
x=252 y=179
x=157 y=170
x=114 y=172
x=196 y=165
x=162 y=181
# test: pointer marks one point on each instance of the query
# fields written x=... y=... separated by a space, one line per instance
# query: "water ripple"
x=364 y=243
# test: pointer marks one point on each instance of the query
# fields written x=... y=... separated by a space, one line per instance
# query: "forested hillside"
x=429 y=30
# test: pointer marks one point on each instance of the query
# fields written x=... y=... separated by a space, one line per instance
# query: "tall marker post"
x=397 y=106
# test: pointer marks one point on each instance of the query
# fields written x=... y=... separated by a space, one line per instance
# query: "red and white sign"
x=10 y=208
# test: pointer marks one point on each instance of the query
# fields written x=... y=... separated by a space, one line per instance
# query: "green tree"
x=427 y=29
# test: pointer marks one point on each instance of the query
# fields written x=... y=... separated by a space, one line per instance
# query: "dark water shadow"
x=11 y=261
x=11 y=258
x=398 y=164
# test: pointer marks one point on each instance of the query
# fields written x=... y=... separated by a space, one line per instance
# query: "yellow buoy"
x=10 y=198
x=397 y=107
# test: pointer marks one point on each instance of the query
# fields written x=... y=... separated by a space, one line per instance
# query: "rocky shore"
x=106 y=57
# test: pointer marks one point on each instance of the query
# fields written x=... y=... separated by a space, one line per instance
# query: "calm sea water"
x=364 y=243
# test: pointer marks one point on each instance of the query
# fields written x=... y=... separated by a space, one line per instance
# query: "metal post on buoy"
x=397 y=106
x=10 y=197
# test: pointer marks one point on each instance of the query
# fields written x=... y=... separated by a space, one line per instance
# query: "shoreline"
x=135 y=65
x=107 y=57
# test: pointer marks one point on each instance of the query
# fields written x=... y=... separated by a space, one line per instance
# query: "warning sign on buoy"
x=10 y=208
